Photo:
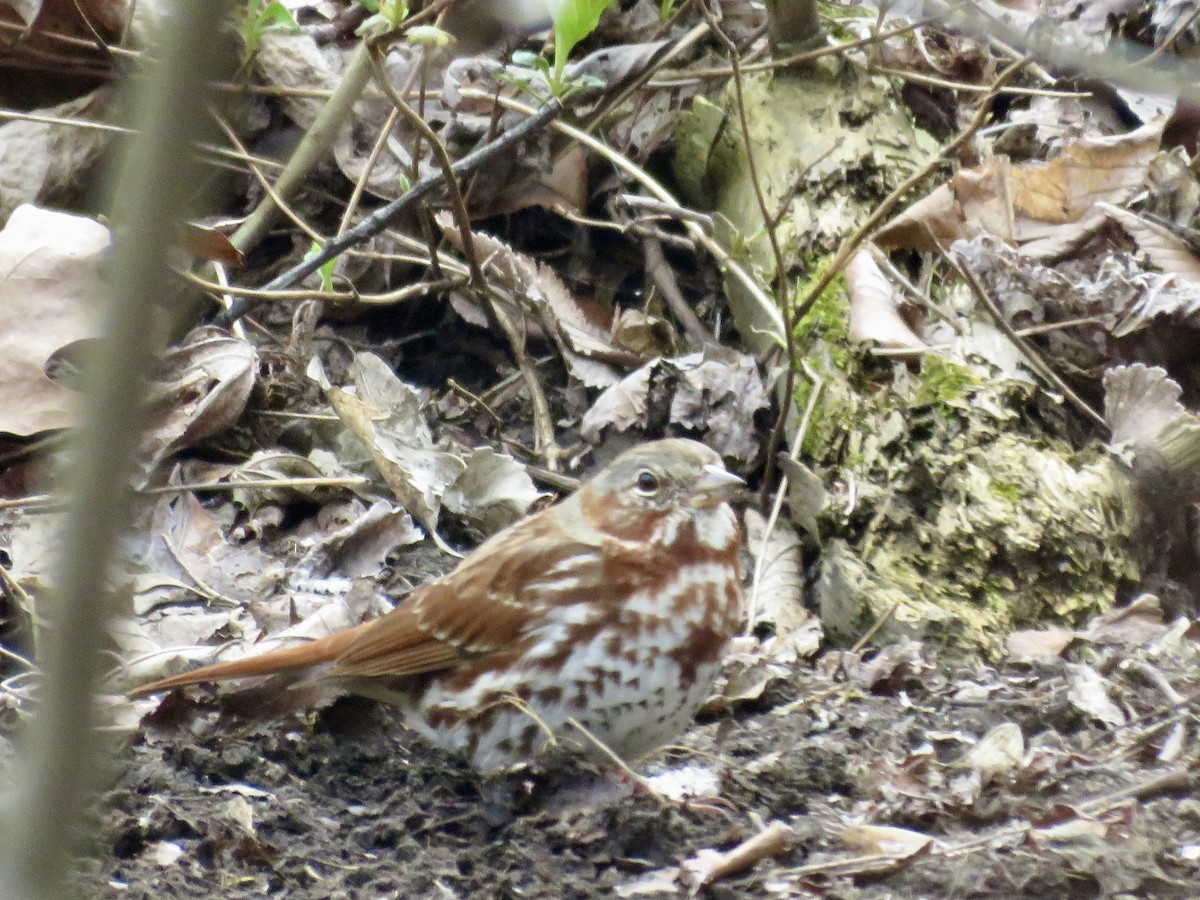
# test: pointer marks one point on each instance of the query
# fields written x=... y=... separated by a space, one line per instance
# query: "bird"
x=607 y=613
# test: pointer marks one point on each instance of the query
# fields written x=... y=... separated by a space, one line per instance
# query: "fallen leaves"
x=49 y=289
x=1046 y=209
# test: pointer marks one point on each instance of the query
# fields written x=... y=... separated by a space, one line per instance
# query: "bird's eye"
x=647 y=483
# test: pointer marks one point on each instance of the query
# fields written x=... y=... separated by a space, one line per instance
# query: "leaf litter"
x=938 y=695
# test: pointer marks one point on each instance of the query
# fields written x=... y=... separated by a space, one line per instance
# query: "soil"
x=345 y=803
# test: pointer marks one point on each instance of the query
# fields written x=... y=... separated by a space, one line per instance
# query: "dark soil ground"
x=346 y=804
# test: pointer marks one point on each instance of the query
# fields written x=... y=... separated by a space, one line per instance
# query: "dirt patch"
x=347 y=803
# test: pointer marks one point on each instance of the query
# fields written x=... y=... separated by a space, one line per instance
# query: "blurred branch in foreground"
x=59 y=756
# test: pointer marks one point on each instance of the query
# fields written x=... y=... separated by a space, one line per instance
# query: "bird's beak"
x=715 y=486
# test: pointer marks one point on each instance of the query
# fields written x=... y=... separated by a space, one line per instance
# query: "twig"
x=663 y=276
x=60 y=763
x=874 y=629
x=1035 y=361
x=719 y=253
x=385 y=215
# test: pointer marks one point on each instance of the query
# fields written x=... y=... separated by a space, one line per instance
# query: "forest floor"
x=346 y=803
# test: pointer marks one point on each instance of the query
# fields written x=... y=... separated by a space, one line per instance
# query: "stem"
x=58 y=770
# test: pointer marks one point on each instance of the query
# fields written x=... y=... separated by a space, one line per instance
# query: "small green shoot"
x=326 y=270
x=528 y=67
x=260 y=16
x=573 y=21
x=387 y=17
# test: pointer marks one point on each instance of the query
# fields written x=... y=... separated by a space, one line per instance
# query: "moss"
x=821 y=340
x=943 y=381
x=1006 y=491
x=983 y=524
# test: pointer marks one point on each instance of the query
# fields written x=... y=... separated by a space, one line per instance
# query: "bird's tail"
x=274 y=662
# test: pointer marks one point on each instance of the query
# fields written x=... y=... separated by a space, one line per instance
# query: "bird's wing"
x=484 y=606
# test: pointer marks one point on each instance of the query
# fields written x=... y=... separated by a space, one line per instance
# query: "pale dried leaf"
x=492 y=492
x=1139 y=401
x=806 y=494
x=49 y=289
x=294 y=61
x=684 y=782
x=44 y=159
x=239 y=811
x=1077 y=831
x=521 y=282
x=187 y=544
x=1045 y=208
x=164 y=853
x=657 y=883
x=385 y=414
x=999 y=751
x=614 y=63
x=1134 y=625
x=647 y=336
x=885 y=840
x=1038 y=644
x=277 y=465
x=200 y=389
x=875 y=307
x=718 y=392
x=622 y=406
x=778 y=589
x=360 y=547
x=1166 y=251
x=1087 y=691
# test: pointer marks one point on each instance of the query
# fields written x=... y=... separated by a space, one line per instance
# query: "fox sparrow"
x=610 y=609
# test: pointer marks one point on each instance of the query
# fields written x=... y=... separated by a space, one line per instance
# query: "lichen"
x=969 y=521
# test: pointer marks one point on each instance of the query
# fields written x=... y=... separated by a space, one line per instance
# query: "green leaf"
x=261 y=16
x=326 y=270
x=428 y=36
x=573 y=21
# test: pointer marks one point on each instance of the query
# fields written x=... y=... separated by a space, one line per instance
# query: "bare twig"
x=385 y=215
x=60 y=761
x=1032 y=357
x=663 y=276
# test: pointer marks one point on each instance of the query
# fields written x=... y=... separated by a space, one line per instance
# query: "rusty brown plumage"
x=611 y=608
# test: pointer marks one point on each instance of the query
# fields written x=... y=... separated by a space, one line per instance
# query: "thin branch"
x=387 y=214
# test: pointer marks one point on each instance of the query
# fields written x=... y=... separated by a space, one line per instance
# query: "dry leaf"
x=875 y=307
x=360 y=547
x=1035 y=644
x=200 y=389
x=492 y=492
x=49 y=290
x=385 y=414
x=1139 y=401
x=999 y=751
x=778 y=589
x=1088 y=693
x=1166 y=251
x=885 y=840
x=1045 y=208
